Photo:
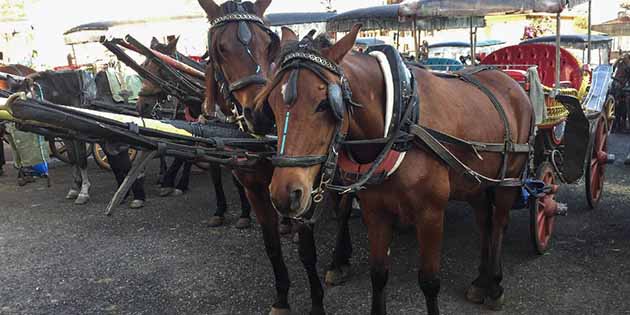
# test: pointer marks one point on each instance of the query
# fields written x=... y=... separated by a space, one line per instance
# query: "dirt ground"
x=58 y=258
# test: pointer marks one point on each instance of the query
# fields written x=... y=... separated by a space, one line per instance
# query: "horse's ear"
x=213 y=11
x=172 y=45
x=261 y=6
x=343 y=46
x=154 y=43
x=287 y=36
x=211 y=91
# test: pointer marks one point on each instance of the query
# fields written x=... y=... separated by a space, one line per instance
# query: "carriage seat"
x=521 y=57
x=443 y=64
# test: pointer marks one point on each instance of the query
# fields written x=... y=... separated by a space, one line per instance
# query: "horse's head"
x=621 y=76
x=72 y=87
x=307 y=99
x=241 y=48
x=150 y=93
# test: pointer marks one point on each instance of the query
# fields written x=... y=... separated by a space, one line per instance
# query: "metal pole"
x=415 y=39
x=472 y=44
x=557 y=85
x=590 y=21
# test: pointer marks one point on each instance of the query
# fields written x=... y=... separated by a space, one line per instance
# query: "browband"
x=236 y=17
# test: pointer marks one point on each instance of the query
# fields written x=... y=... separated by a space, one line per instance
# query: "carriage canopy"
x=428 y=8
x=386 y=17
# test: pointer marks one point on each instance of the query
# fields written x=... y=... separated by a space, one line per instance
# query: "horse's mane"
x=315 y=46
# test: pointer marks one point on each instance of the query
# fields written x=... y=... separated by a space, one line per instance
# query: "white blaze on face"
x=284 y=91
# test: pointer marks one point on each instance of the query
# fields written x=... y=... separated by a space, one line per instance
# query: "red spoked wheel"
x=543 y=210
x=596 y=161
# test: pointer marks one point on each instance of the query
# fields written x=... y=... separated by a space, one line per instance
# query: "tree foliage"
x=11 y=10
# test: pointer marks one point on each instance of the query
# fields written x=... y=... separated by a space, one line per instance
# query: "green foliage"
x=11 y=10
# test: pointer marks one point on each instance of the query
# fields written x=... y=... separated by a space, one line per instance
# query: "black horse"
x=151 y=96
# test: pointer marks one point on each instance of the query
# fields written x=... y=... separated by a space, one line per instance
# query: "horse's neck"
x=368 y=89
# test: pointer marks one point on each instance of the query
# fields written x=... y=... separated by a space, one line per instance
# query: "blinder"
x=335 y=100
x=244 y=33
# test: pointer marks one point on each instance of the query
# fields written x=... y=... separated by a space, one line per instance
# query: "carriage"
x=573 y=109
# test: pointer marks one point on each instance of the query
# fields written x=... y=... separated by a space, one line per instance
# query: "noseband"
x=237 y=13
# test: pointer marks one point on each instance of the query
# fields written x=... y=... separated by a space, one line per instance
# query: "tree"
x=328 y=5
x=625 y=4
x=12 y=10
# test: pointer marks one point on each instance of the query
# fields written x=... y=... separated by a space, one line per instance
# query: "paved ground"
x=57 y=258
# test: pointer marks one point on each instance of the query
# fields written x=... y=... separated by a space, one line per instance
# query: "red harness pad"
x=351 y=171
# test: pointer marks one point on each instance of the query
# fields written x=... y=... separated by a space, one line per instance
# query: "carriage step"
x=562 y=210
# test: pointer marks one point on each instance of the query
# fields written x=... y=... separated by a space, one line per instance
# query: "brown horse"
x=151 y=95
x=308 y=112
x=241 y=50
x=621 y=82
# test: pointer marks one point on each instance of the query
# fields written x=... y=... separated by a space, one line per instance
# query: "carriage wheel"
x=58 y=149
x=609 y=109
x=595 y=167
x=101 y=158
x=543 y=210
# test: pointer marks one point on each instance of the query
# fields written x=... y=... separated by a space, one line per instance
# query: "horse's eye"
x=323 y=105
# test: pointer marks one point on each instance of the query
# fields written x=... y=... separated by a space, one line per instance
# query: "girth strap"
x=497 y=105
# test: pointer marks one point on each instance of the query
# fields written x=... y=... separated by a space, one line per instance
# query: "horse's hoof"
x=216 y=221
x=284 y=229
x=166 y=191
x=337 y=276
x=178 y=192
x=280 y=311
x=72 y=194
x=475 y=294
x=495 y=304
x=136 y=204
x=243 y=223
x=82 y=199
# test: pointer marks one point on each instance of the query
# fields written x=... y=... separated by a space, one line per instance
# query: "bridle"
x=340 y=102
x=244 y=17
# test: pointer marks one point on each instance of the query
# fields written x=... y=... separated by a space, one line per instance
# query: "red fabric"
x=543 y=56
x=347 y=165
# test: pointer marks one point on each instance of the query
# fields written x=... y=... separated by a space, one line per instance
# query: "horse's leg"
x=244 y=221
x=429 y=232
x=84 y=194
x=308 y=256
x=268 y=220
x=168 y=178
x=379 y=236
x=339 y=270
x=73 y=193
x=219 y=215
x=503 y=201
x=182 y=184
x=163 y=170
x=476 y=293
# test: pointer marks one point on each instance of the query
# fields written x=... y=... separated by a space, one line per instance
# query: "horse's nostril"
x=295 y=197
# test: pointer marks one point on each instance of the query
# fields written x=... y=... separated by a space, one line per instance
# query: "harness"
x=405 y=130
x=243 y=15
